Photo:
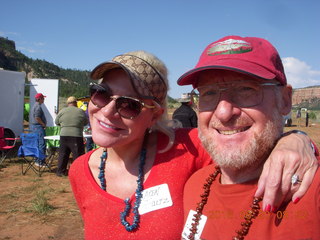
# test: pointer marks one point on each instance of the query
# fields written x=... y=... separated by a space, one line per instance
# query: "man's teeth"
x=230 y=132
x=106 y=125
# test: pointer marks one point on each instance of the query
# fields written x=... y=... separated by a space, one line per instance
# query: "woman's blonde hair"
x=163 y=124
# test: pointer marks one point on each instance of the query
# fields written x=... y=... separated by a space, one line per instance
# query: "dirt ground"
x=36 y=208
x=41 y=208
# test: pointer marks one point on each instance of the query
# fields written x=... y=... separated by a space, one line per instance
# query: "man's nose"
x=226 y=108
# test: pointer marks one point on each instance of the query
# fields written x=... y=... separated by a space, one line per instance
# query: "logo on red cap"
x=230 y=46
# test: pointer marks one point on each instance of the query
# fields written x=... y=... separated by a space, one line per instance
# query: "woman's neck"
x=129 y=154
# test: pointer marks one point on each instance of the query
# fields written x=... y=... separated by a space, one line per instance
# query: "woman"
x=139 y=152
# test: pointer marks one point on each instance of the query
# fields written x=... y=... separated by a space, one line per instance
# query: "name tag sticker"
x=155 y=198
x=187 y=226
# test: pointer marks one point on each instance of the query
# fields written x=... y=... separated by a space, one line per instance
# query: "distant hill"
x=11 y=59
x=308 y=97
x=72 y=81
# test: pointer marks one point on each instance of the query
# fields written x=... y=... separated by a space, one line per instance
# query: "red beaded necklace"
x=245 y=226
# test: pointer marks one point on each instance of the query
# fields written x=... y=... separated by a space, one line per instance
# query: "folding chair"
x=7 y=142
x=52 y=144
x=30 y=152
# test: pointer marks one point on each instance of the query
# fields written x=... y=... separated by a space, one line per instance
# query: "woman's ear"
x=286 y=96
x=157 y=113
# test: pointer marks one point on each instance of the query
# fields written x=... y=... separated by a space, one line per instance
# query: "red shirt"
x=101 y=211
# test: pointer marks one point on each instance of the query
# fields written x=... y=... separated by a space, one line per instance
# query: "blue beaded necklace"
x=125 y=213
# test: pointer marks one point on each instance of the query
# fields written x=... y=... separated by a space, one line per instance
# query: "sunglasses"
x=127 y=107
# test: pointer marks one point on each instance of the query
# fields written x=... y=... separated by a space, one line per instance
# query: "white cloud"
x=39 y=44
x=29 y=50
x=6 y=34
x=300 y=74
x=33 y=47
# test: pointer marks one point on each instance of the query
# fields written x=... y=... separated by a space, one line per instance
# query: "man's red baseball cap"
x=248 y=55
x=39 y=95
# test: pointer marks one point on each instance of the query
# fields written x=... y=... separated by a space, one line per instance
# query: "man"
x=38 y=124
x=71 y=120
x=242 y=95
x=185 y=114
x=87 y=130
x=298 y=116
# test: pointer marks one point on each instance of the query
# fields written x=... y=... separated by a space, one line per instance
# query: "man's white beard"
x=250 y=156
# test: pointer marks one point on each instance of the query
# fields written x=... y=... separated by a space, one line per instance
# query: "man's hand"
x=293 y=154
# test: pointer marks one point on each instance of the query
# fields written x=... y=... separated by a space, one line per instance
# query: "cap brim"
x=235 y=65
x=99 y=71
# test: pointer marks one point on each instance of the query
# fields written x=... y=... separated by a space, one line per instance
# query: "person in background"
x=307 y=118
x=87 y=130
x=298 y=116
x=185 y=114
x=71 y=121
x=242 y=95
x=131 y=187
x=38 y=124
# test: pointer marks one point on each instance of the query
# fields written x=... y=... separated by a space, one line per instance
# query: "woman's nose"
x=110 y=110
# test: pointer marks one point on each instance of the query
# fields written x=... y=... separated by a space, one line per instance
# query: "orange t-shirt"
x=227 y=205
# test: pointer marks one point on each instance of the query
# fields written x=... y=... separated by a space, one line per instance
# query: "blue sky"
x=80 y=34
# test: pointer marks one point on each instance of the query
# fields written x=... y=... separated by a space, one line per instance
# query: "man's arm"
x=57 y=120
x=39 y=120
x=194 y=120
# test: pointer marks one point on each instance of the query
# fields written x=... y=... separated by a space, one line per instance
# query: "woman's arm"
x=293 y=154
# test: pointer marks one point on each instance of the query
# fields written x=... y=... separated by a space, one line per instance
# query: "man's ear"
x=286 y=103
